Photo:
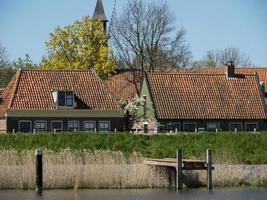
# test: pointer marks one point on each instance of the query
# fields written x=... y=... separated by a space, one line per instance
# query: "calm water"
x=146 y=194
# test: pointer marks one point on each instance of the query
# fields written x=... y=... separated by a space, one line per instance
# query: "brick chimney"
x=230 y=69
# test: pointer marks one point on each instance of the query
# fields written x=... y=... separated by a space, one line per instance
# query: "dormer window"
x=64 y=98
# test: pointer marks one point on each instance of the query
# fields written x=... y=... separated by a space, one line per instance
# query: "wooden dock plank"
x=170 y=162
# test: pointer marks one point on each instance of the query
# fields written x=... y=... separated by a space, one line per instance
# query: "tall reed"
x=111 y=169
x=79 y=169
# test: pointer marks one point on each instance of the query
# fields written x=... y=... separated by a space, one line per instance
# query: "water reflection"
x=141 y=194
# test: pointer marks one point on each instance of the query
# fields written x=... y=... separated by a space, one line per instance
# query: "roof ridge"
x=57 y=70
x=198 y=73
x=15 y=87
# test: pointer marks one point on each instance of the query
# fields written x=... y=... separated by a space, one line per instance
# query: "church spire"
x=100 y=14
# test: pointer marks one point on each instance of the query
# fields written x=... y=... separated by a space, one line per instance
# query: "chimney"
x=230 y=69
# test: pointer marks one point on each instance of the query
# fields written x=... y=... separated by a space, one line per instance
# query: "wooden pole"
x=39 y=170
x=209 y=169
x=179 y=173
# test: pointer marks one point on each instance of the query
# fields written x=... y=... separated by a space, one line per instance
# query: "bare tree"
x=145 y=38
x=3 y=56
x=6 y=70
x=218 y=58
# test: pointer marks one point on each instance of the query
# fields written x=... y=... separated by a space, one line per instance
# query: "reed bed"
x=78 y=169
x=230 y=175
x=75 y=169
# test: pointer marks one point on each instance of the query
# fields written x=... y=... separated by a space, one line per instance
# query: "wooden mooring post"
x=179 y=172
x=209 y=169
x=39 y=170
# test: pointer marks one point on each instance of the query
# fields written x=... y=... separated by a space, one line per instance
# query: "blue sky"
x=210 y=24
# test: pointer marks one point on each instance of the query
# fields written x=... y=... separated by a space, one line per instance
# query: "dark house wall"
x=166 y=125
x=115 y=123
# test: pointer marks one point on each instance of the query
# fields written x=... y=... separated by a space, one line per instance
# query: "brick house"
x=204 y=101
x=58 y=100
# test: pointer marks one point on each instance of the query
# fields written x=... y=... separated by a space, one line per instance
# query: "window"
x=73 y=125
x=172 y=126
x=212 y=126
x=69 y=98
x=89 y=125
x=65 y=98
x=251 y=126
x=61 y=98
x=25 y=126
x=56 y=125
x=104 y=126
x=40 y=125
x=190 y=126
x=235 y=126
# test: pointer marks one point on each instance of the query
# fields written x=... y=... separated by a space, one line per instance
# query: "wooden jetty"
x=180 y=164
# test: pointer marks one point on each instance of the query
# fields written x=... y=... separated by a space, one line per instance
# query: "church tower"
x=100 y=14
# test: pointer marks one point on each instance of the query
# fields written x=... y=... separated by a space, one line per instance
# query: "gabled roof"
x=206 y=96
x=123 y=86
x=32 y=90
x=99 y=12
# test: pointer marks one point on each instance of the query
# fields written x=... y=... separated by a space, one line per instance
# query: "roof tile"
x=206 y=96
x=32 y=89
x=122 y=86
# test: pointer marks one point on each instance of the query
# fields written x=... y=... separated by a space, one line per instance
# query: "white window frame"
x=185 y=123
x=57 y=121
x=89 y=121
x=24 y=122
x=73 y=121
x=218 y=125
x=230 y=123
x=40 y=121
x=109 y=123
x=257 y=126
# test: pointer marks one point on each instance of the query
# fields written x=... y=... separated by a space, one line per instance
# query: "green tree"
x=81 y=45
x=24 y=63
x=6 y=74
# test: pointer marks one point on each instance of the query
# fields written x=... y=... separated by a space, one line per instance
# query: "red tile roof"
x=32 y=89
x=206 y=96
x=261 y=71
x=7 y=93
x=122 y=86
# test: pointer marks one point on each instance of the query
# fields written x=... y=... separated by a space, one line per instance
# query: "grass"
x=228 y=147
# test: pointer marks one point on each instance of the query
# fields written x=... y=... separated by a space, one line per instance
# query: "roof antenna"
x=112 y=16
